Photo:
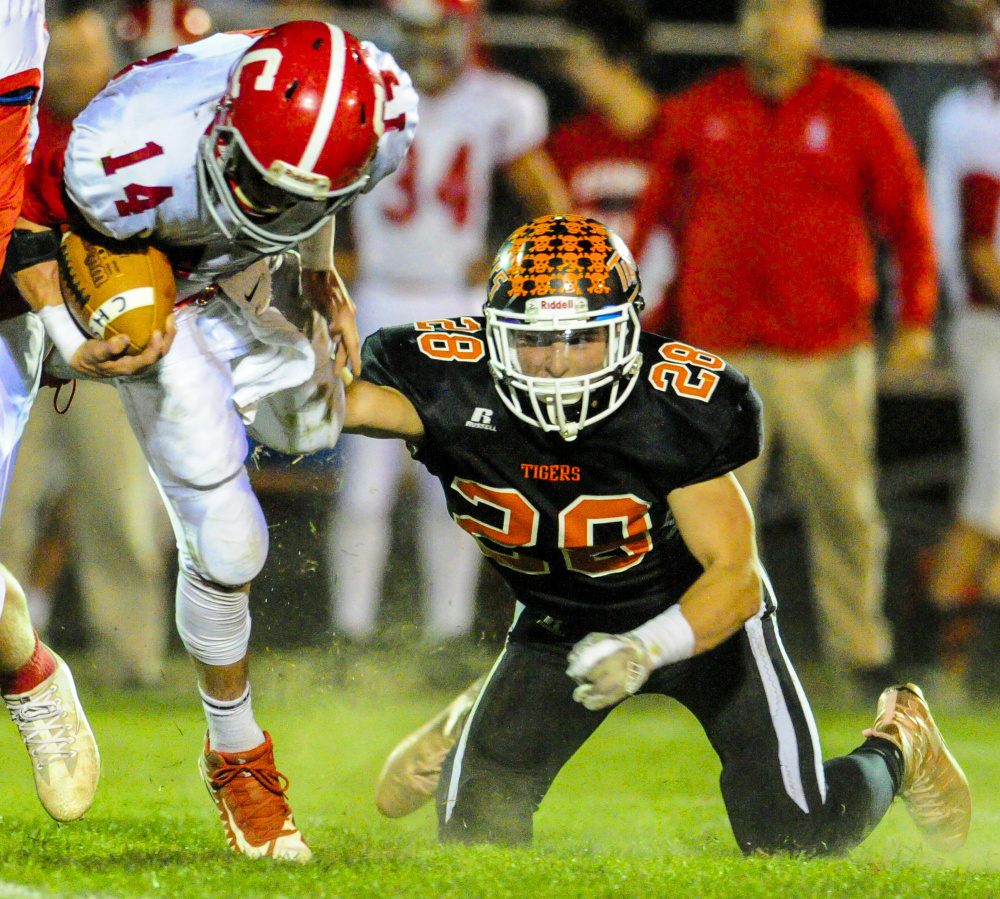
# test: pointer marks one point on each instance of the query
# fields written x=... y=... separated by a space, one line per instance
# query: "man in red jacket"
x=771 y=175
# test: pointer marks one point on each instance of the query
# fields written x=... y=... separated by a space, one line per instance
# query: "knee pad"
x=213 y=621
x=223 y=529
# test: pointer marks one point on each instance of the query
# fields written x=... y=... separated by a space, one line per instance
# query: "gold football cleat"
x=934 y=788
x=411 y=773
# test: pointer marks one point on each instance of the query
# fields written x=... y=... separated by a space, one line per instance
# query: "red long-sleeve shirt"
x=773 y=207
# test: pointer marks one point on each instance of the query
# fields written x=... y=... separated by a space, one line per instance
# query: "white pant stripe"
x=803 y=701
x=456 y=770
x=788 y=746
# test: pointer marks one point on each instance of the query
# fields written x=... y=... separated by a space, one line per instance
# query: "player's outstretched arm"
x=375 y=411
x=39 y=285
x=537 y=184
x=715 y=521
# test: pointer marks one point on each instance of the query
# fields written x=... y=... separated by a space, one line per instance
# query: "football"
x=115 y=288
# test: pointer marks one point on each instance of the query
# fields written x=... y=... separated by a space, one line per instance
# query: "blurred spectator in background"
x=964 y=176
x=150 y=26
x=604 y=154
x=421 y=254
x=117 y=543
x=771 y=174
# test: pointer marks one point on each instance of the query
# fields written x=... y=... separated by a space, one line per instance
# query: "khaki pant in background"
x=119 y=529
x=822 y=411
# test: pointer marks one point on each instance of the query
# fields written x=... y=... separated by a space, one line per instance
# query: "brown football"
x=115 y=288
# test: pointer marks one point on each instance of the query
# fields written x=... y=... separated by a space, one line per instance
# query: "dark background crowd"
x=919 y=435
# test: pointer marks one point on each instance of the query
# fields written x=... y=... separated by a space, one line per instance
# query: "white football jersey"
x=964 y=140
x=131 y=160
x=426 y=224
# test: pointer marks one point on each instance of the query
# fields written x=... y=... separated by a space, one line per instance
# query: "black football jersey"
x=580 y=530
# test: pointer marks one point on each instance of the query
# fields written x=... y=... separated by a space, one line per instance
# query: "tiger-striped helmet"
x=563 y=279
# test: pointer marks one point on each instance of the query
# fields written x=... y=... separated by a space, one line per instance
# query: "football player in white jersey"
x=421 y=254
x=232 y=155
x=36 y=685
x=964 y=183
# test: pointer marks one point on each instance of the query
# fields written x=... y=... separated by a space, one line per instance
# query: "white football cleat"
x=55 y=730
x=249 y=792
x=934 y=788
x=410 y=775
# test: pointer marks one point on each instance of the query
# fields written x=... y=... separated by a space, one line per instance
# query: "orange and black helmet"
x=562 y=279
x=565 y=256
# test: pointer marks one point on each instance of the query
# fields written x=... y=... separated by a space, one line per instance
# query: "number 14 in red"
x=139 y=197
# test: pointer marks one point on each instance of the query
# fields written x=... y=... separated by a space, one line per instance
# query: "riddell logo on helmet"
x=556 y=304
x=280 y=169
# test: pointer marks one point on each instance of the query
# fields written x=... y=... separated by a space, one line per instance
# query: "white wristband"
x=63 y=331
x=668 y=637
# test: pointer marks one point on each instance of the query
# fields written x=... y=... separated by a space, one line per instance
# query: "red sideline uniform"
x=772 y=207
x=605 y=173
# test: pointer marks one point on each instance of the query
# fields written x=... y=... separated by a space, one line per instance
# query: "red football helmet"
x=293 y=136
x=439 y=39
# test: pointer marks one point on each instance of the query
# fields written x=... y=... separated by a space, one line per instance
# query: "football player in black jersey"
x=594 y=466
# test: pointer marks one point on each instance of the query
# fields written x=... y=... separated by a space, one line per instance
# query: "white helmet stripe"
x=331 y=99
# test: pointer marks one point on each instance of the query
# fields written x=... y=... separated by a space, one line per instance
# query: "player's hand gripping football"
x=608 y=668
x=328 y=295
x=93 y=358
x=111 y=359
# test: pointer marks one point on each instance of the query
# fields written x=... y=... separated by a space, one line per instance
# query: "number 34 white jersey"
x=964 y=145
x=427 y=223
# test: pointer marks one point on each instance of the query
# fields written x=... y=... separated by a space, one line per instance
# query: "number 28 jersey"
x=582 y=530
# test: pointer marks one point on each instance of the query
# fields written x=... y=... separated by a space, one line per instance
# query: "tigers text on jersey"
x=427 y=223
x=581 y=531
x=963 y=174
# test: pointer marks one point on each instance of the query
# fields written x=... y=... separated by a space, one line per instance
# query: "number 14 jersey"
x=580 y=530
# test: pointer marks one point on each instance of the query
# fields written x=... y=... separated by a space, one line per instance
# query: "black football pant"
x=778 y=792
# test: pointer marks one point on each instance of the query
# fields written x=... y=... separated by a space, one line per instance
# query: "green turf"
x=636 y=813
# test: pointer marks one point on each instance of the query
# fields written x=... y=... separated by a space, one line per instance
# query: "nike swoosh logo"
x=249 y=297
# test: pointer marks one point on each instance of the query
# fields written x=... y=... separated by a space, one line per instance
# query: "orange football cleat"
x=249 y=793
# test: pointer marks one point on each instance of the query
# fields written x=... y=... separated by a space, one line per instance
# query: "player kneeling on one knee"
x=639 y=572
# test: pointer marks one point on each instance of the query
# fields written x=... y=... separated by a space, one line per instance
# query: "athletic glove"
x=608 y=667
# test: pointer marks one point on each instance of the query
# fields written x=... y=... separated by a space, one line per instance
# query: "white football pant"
x=195 y=441
x=22 y=349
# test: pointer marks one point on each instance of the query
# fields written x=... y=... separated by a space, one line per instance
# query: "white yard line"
x=16 y=891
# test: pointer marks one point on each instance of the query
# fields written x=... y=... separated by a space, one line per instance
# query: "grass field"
x=636 y=813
